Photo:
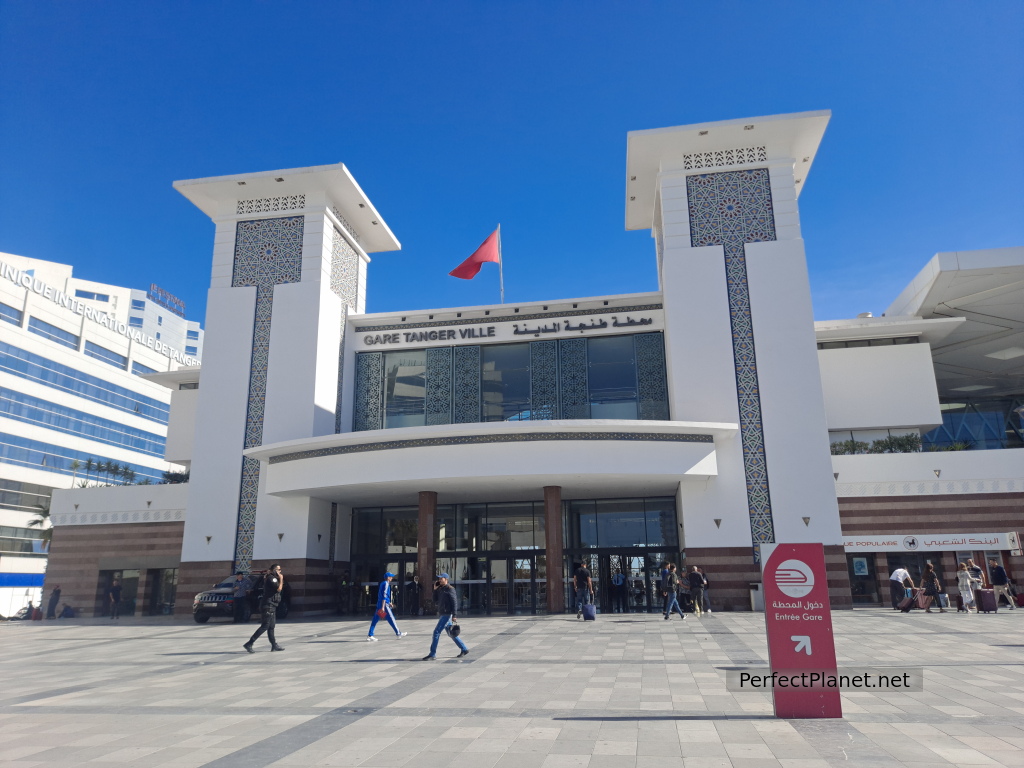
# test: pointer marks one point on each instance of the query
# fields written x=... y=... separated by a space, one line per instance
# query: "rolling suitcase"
x=1019 y=598
x=589 y=612
x=907 y=603
x=985 y=600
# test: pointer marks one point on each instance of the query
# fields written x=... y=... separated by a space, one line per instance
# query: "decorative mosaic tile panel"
x=652 y=386
x=543 y=380
x=368 y=410
x=738 y=156
x=345 y=285
x=344 y=223
x=268 y=252
x=512 y=437
x=438 y=394
x=466 y=392
x=271 y=204
x=574 y=394
x=731 y=209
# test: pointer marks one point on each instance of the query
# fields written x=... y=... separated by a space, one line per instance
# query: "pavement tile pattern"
x=628 y=691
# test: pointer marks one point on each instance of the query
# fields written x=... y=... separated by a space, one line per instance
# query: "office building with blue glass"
x=505 y=443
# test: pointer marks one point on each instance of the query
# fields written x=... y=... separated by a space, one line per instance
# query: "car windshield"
x=230 y=583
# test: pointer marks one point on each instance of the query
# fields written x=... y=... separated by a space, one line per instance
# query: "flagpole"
x=501 y=268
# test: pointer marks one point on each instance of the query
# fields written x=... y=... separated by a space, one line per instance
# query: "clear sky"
x=456 y=116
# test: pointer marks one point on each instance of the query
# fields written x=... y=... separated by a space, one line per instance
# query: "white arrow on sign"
x=803 y=643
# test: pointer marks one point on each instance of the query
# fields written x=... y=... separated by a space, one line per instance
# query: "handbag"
x=454 y=629
x=382 y=613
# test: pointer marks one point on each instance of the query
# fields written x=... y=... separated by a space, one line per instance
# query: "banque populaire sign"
x=798 y=621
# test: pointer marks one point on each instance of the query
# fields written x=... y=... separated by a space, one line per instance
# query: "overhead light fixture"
x=361 y=205
x=807 y=159
x=632 y=198
x=972 y=388
x=208 y=538
x=937 y=472
x=835 y=475
x=748 y=127
x=632 y=178
x=1007 y=354
x=241 y=183
x=798 y=181
x=702 y=133
x=280 y=536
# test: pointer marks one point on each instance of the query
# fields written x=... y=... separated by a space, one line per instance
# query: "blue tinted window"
x=134 y=322
x=191 y=350
x=404 y=388
x=21 y=451
x=139 y=369
x=33 y=410
x=10 y=314
x=52 y=332
x=138 y=304
x=505 y=382
x=612 y=377
x=192 y=335
x=91 y=295
x=106 y=355
x=63 y=377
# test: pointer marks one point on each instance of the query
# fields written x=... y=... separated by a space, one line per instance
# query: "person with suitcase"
x=931 y=587
x=583 y=584
x=1000 y=582
x=898 y=587
x=967 y=584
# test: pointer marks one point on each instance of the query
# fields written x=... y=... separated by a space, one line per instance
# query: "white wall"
x=116 y=500
x=181 y=429
x=914 y=474
x=880 y=387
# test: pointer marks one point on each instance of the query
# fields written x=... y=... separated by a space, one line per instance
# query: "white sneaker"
x=401 y=635
x=371 y=639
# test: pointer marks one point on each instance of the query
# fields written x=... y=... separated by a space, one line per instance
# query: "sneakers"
x=464 y=653
x=666 y=617
x=371 y=639
x=579 y=614
x=276 y=647
x=248 y=647
x=400 y=635
x=429 y=658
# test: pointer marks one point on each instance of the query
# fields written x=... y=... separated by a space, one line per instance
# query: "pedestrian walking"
x=240 y=596
x=706 y=599
x=414 y=594
x=967 y=584
x=977 y=572
x=898 y=586
x=1000 y=582
x=696 y=580
x=932 y=587
x=114 y=599
x=385 y=609
x=583 y=584
x=671 y=595
x=446 y=601
x=618 y=591
x=273 y=583
x=51 y=607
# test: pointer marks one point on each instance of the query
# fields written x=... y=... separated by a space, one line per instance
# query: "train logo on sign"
x=794 y=578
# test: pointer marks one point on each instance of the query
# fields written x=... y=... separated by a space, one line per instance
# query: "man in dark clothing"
x=447 y=602
x=114 y=599
x=619 y=592
x=584 y=587
x=696 y=589
x=671 y=598
x=51 y=607
x=273 y=583
x=1000 y=582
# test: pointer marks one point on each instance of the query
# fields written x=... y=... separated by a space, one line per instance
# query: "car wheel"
x=201 y=618
x=282 y=611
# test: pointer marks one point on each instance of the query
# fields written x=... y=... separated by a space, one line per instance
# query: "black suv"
x=220 y=600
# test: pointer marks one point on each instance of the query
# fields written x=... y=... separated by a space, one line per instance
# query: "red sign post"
x=799 y=625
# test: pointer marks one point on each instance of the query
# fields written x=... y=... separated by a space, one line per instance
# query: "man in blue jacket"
x=384 y=606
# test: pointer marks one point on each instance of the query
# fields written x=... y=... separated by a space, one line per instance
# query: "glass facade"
x=10 y=314
x=609 y=377
x=40 y=370
x=622 y=524
x=21 y=451
x=53 y=333
x=33 y=410
x=106 y=355
x=978 y=424
x=139 y=369
x=23 y=497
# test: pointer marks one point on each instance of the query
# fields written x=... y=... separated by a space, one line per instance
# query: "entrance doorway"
x=129 y=581
x=498 y=583
x=163 y=586
x=368 y=574
x=625 y=581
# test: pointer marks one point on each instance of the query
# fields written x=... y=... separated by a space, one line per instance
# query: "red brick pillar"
x=425 y=543
x=553 y=545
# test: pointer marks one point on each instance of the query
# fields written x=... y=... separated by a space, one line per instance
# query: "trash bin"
x=756 y=596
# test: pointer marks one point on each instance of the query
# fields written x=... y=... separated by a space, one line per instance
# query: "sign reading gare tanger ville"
x=799 y=625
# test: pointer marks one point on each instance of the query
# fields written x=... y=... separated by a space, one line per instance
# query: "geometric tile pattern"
x=438 y=386
x=368 y=409
x=652 y=386
x=345 y=285
x=466 y=394
x=510 y=437
x=724 y=158
x=344 y=223
x=543 y=380
x=574 y=394
x=268 y=252
x=731 y=209
x=271 y=204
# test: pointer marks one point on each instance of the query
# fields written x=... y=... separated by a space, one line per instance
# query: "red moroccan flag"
x=489 y=250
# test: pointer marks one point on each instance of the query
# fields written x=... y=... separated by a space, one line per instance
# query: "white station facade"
x=505 y=443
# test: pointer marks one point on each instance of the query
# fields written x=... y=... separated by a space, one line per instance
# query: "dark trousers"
x=238 y=602
x=115 y=609
x=619 y=598
x=897 y=591
x=51 y=610
x=269 y=615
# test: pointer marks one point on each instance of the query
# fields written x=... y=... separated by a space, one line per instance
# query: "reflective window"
x=622 y=523
x=10 y=314
x=404 y=388
x=21 y=451
x=106 y=355
x=505 y=382
x=510 y=526
x=401 y=526
x=612 y=378
x=53 y=333
x=33 y=410
x=191 y=350
x=367 y=538
x=91 y=295
x=138 y=304
x=48 y=373
x=978 y=423
x=134 y=322
x=192 y=335
x=139 y=369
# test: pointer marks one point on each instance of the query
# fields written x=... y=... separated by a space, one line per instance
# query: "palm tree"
x=41 y=520
x=128 y=474
x=75 y=466
x=90 y=465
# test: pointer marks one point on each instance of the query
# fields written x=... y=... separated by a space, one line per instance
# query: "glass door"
x=498 y=583
x=524 y=584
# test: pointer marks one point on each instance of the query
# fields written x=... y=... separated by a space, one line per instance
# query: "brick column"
x=553 y=545
x=425 y=546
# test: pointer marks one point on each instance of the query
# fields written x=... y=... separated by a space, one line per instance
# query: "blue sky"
x=459 y=115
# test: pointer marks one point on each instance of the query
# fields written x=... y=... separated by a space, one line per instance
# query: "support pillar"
x=425 y=544
x=553 y=545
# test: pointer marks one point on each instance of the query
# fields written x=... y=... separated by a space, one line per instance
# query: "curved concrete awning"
x=498 y=461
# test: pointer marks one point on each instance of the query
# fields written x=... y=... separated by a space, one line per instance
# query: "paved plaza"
x=546 y=692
